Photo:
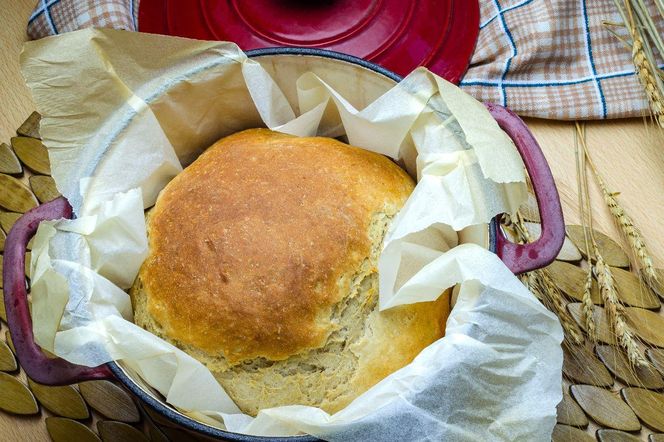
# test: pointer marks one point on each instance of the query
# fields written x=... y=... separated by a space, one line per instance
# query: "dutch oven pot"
x=372 y=80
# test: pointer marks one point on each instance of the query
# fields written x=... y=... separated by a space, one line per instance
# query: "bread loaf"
x=262 y=265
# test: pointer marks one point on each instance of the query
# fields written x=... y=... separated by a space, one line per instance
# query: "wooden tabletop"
x=630 y=154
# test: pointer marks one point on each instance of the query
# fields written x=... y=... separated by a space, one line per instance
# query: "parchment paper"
x=124 y=112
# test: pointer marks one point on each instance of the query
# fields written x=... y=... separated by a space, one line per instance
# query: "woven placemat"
x=604 y=398
x=89 y=411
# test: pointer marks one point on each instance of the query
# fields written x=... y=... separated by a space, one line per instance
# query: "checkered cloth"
x=52 y=17
x=542 y=58
x=555 y=59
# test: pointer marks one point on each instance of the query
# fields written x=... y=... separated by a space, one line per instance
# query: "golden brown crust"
x=253 y=244
x=262 y=265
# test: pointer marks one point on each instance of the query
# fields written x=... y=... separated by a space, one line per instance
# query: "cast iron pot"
x=56 y=371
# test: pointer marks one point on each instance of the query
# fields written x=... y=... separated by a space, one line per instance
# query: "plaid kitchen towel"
x=52 y=17
x=542 y=58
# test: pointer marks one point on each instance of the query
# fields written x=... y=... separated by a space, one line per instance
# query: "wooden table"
x=630 y=153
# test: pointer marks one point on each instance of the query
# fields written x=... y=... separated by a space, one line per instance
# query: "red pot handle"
x=38 y=366
x=520 y=258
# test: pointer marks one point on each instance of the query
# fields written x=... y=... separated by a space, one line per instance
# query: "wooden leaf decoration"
x=648 y=405
x=616 y=361
x=7 y=359
x=656 y=356
x=582 y=366
x=569 y=413
x=3 y=237
x=30 y=127
x=3 y=312
x=658 y=286
x=64 y=400
x=648 y=325
x=7 y=220
x=571 y=280
x=16 y=397
x=568 y=252
x=62 y=429
x=611 y=251
x=177 y=435
x=605 y=407
x=656 y=438
x=15 y=196
x=44 y=188
x=603 y=329
x=156 y=435
x=32 y=153
x=607 y=435
x=158 y=419
x=565 y=433
x=529 y=210
x=111 y=431
x=632 y=292
x=8 y=161
x=8 y=340
x=110 y=400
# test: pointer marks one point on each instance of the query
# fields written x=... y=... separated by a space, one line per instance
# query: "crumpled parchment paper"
x=124 y=112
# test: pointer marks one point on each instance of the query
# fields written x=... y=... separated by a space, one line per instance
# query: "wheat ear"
x=624 y=222
x=542 y=285
x=586 y=299
x=615 y=310
x=587 y=307
x=631 y=233
x=645 y=69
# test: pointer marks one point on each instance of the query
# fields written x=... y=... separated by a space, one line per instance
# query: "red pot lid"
x=397 y=34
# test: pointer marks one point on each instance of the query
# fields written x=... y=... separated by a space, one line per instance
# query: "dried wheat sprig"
x=646 y=25
x=645 y=34
x=631 y=233
x=648 y=76
x=615 y=310
x=613 y=307
x=624 y=222
x=518 y=226
x=588 y=306
x=586 y=300
x=555 y=298
x=660 y=7
x=541 y=284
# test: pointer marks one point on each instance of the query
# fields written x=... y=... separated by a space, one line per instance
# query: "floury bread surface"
x=262 y=265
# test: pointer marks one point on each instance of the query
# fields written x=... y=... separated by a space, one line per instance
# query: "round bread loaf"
x=262 y=265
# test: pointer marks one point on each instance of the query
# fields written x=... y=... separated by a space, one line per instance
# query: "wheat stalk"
x=587 y=306
x=556 y=302
x=612 y=305
x=586 y=299
x=542 y=285
x=625 y=223
x=615 y=310
x=644 y=70
x=645 y=34
x=630 y=232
